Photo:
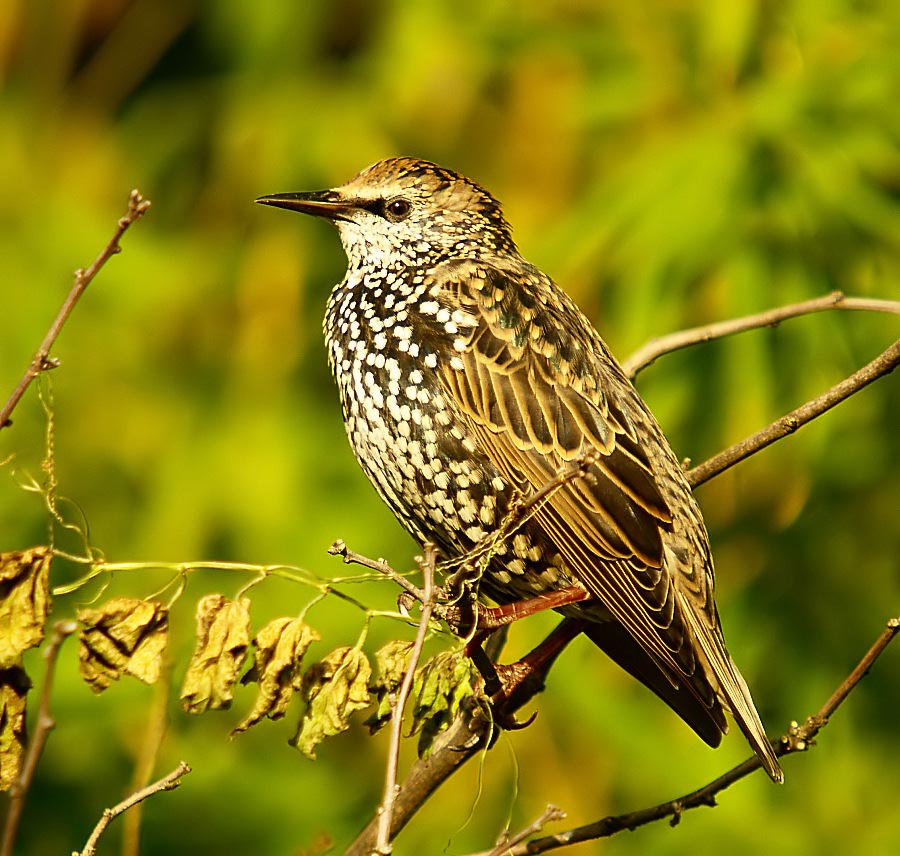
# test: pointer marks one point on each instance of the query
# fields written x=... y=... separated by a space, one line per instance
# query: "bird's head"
x=405 y=209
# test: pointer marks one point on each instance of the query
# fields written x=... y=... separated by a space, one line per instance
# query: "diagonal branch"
x=656 y=348
x=41 y=361
x=883 y=364
x=798 y=739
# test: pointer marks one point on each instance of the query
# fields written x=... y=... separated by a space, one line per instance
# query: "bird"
x=467 y=378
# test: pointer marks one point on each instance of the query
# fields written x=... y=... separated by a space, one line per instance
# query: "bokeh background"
x=670 y=163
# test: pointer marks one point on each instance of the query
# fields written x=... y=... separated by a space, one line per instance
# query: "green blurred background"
x=669 y=163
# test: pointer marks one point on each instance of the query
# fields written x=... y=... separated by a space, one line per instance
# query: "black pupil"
x=398 y=208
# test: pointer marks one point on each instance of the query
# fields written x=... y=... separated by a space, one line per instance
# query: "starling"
x=468 y=378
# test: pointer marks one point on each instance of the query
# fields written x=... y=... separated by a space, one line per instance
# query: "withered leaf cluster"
x=280 y=647
x=334 y=688
x=223 y=637
x=24 y=602
x=125 y=635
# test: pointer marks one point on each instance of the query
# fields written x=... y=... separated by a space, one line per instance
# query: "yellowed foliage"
x=439 y=687
x=280 y=648
x=24 y=601
x=223 y=637
x=334 y=688
x=125 y=635
x=392 y=661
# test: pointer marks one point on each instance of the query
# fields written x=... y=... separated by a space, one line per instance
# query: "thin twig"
x=166 y=783
x=655 y=348
x=523 y=507
x=386 y=810
x=41 y=361
x=551 y=814
x=44 y=725
x=797 y=739
x=339 y=548
x=883 y=364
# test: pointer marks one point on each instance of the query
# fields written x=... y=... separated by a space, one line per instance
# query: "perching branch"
x=655 y=348
x=469 y=733
x=798 y=738
x=42 y=361
x=166 y=783
x=44 y=725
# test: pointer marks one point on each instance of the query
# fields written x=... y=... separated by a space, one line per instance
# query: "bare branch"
x=550 y=814
x=386 y=809
x=45 y=724
x=339 y=548
x=41 y=361
x=798 y=739
x=655 y=348
x=166 y=783
x=883 y=364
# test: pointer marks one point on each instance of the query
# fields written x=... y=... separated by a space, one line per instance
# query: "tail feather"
x=736 y=694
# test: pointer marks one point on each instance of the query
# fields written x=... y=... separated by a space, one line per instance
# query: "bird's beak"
x=319 y=203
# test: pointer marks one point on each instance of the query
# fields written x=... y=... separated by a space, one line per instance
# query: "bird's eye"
x=397 y=209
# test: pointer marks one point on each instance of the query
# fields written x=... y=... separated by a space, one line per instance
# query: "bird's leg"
x=480 y=621
x=513 y=685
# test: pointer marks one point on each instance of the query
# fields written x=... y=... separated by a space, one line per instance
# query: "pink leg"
x=488 y=618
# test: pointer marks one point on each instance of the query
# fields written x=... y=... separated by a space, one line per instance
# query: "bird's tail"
x=735 y=694
x=738 y=698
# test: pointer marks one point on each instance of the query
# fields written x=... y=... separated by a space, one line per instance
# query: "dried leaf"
x=14 y=686
x=439 y=687
x=334 y=689
x=24 y=600
x=124 y=635
x=280 y=647
x=392 y=661
x=223 y=636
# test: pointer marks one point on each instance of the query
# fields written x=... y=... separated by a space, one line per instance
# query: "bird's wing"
x=539 y=388
x=541 y=393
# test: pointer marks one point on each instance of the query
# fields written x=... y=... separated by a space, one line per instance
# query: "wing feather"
x=538 y=389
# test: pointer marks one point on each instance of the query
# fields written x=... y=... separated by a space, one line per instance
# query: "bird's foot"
x=513 y=685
